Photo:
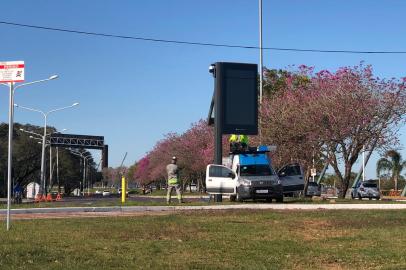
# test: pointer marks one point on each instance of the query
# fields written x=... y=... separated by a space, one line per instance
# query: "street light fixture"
x=39 y=135
x=31 y=132
x=45 y=115
x=12 y=87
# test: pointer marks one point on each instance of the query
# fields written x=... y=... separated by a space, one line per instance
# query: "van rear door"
x=220 y=179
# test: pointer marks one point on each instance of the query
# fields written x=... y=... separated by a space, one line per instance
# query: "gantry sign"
x=81 y=141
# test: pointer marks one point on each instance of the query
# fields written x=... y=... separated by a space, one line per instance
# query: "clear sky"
x=132 y=92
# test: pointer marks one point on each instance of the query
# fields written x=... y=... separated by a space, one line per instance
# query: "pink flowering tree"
x=142 y=172
x=194 y=150
x=331 y=116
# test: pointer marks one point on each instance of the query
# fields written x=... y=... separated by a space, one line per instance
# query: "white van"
x=248 y=176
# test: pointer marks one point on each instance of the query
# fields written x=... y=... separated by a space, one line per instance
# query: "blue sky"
x=133 y=92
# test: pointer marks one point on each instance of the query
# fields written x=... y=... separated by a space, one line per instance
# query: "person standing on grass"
x=173 y=181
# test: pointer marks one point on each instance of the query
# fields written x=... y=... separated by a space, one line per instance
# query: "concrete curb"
x=208 y=207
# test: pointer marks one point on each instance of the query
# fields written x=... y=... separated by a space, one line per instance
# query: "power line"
x=195 y=43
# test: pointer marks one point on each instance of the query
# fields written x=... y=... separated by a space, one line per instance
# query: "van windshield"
x=255 y=170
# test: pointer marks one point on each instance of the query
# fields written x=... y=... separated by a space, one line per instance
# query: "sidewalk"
x=121 y=209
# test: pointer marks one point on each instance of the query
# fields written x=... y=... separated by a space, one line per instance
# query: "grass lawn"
x=211 y=240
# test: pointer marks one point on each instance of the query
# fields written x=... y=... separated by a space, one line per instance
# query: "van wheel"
x=352 y=196
x=279 y=199
x=359 y=197
x=238 y=198
x=232 y=198
x=268 y=200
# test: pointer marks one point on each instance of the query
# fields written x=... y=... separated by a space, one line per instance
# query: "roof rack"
x=249 y=151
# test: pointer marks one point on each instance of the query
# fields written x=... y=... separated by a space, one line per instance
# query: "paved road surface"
x=68 y=212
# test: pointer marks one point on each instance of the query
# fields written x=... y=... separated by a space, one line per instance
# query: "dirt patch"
x=310 y=230
x=333 y=267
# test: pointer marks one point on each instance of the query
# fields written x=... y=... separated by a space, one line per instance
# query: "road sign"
x=11 y=71
x=313 y=172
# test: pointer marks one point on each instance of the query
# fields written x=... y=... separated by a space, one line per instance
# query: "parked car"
x=120 y=190
x=329 y=191
x=291 y=176
x=366 y=189
x=313 y=189
x=106 y=193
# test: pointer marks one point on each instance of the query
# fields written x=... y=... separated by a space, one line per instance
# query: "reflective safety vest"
x=243 y=139
x=233 y=138
x=173 y=181
x=238 y=138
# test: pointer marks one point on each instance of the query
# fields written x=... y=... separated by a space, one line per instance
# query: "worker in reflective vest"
x=238 y=142
x=243 y=139
x=173 y=180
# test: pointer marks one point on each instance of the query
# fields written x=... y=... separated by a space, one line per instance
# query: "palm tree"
x=391 y=162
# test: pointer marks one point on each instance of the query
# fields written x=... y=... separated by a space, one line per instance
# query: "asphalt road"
x=69 y=212
x=135 y=198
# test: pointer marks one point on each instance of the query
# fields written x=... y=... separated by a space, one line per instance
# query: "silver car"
x=366 y=190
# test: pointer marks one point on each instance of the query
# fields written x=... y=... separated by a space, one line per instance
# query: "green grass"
x=211 y=240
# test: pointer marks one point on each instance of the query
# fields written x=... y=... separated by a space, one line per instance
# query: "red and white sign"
x=12 y=71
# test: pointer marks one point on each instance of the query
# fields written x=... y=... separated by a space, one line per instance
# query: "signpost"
x=313 y=173
x=10 y=72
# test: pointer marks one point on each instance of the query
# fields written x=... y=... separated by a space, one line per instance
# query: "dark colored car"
x=313 y=189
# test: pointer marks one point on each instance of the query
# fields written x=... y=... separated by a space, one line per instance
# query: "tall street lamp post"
x=12 y=88
x=84 y=157
x=50 y=153
x=87 y=170
x=45 y=114
x=260 y=54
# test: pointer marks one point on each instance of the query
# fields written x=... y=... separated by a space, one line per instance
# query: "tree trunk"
x=202 y=183
x=306 y=181
x=345 y=183
x=395 y=177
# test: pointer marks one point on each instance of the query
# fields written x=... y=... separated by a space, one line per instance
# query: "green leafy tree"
x=27 y=160
x=393 y=163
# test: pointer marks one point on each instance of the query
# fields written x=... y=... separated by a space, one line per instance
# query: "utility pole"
x=10 y=150
x=50 y=168
x=218 y=132
x=57 y=169
x=260 y=54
